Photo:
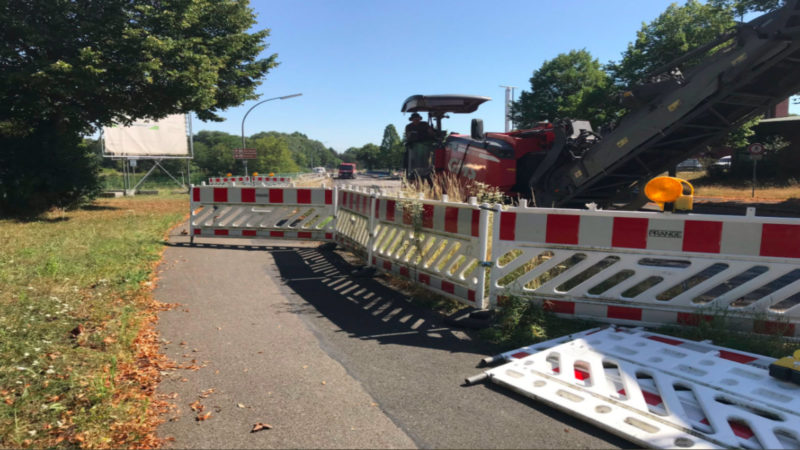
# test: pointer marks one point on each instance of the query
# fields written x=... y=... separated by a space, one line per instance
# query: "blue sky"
x=355 y=61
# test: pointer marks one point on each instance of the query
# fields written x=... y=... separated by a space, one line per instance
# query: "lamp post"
x=248 y=112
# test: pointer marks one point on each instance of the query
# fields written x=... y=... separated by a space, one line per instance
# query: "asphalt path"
x=281 y=333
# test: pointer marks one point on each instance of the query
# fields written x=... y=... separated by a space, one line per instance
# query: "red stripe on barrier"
x=427 y=216
x=736 y=357
x=451 y=219
x=304 y=196
x=404 y=272
x=220 y=232
x=770 y=327
x=508 y=224
x=562 y=229
x=665 y=340
x=220 y=195
x=780 y=240
x=276 y=233
x=276 y=195
x=328 y=235
x=741 y=429
x=377 y=213
x=198 y=231
x=559 y=306
x=702 y=236
x=407 y=215
x=629 y=232
x=344 y=200
x=625 y=313
x=374 y=260
x=248 y=232
x=520 y=355
x=471 y=295
x=248 y=195
x=425 y=279
x=693 y=319
x=328 y=197
x=387 y=265
x=196 y=194
x=448 y=287
x=304 y=234
x=390 y=210
x=476 y=222
x=652 y=399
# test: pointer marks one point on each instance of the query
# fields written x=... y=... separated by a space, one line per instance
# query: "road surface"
x=278 y=332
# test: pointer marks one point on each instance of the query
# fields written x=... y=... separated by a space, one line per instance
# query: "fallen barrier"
x=650 y=268
x=248 y=212
x=659 y=391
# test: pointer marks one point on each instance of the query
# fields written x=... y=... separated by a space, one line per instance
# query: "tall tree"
x=674 y=32
x=392 y=147
x=571 y=85
x=68 y=67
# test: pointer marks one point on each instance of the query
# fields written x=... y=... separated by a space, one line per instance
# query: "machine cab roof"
x=438 y=105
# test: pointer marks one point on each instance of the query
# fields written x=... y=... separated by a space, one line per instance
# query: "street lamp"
x=248 y=112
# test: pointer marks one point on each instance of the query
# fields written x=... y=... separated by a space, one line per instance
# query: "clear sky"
x=356 y=61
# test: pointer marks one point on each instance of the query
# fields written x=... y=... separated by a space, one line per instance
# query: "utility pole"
x=509 y=99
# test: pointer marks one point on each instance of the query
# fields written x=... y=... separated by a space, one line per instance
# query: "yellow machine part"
x=787 y=368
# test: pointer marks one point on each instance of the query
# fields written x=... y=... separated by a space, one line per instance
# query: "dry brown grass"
x=743 y=191
x=457 y=189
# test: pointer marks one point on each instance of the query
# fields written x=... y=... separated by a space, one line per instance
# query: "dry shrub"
x=457 y=189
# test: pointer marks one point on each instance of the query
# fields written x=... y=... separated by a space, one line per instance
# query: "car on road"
x=347 y=170
x=690 y=165
x=724 y=162
x=319 y=170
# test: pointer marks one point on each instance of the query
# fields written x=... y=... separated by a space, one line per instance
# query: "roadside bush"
x=46 y=169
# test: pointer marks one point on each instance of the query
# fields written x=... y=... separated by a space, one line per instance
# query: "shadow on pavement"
x=363 y=307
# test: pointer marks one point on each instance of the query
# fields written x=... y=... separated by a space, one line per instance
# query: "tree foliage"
x=392 y=148
x=575 y=85
x=571 y=85
x=68 y=67
x=307 y=153
x=676 y=31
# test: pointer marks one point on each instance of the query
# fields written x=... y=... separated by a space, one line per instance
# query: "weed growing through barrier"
x=520 y=322
x=74 y=333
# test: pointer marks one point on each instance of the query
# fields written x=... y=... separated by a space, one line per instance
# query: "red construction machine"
x=673 y=116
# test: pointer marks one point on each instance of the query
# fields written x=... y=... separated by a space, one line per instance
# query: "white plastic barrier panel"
x=651 y=268
x=659 y=391
x=353 y=224
x=249 y=212
x=439 y=245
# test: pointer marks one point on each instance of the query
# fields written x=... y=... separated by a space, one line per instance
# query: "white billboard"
x=165 y=137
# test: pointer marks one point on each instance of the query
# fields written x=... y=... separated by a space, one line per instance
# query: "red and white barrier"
x=249 y=181
x=291 y=213
x=651 y=268
x=439 y=245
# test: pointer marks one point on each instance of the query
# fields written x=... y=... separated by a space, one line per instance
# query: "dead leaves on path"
x=261 y=426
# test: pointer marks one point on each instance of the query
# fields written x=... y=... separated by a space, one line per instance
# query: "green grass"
x=73 y=299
